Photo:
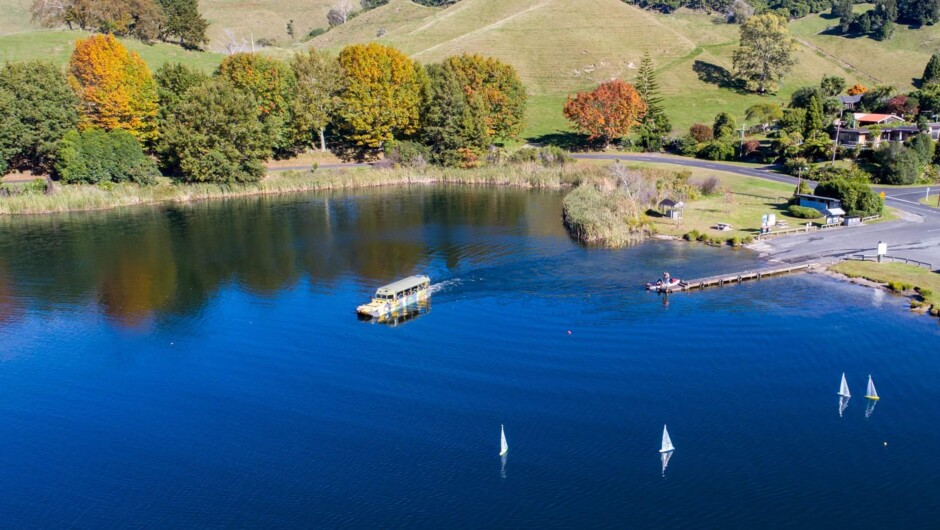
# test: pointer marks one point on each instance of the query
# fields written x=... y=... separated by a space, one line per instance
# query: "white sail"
x=503 y=446
x=871 y=393
x=844 y=388
x=667 y=443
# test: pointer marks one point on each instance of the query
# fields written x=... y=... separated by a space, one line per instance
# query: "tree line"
x=109 y=119
x=167 y=20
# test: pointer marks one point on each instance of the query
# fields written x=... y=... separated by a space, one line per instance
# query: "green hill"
x=558 y=46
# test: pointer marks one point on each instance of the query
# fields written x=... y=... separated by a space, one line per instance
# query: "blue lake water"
x=202 y=365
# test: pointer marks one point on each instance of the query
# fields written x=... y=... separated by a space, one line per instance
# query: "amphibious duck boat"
x=396 y=296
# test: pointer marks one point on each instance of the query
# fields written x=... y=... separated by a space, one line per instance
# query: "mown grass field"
x=741 y=203
x=558 y=47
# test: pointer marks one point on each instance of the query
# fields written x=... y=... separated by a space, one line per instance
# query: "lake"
x=202 y=365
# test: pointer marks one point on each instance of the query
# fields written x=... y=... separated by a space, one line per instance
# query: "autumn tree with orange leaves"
x=114 y=87
x=607 y=112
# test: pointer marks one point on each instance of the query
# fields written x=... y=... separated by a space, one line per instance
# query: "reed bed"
x=89 y=197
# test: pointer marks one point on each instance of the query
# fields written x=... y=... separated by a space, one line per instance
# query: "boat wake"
x=438 y=287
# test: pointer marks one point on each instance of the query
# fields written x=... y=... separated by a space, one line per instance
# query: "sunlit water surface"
x=202 y=365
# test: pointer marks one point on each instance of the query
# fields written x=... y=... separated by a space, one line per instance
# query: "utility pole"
x=743 y=129
x=835 y=143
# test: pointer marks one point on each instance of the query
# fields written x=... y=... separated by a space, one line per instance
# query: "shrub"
x=701 y=133
x=691 y=236
x=802 y=212
x=547 y=156
x=408 y=154
x=94 y=156
x=716 y=150
x=795 y=165
x=709 y=186
x=925 y=293
x=899 y=287
x=316 y=32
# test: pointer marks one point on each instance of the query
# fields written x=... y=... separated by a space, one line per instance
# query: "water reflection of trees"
x=140 y=263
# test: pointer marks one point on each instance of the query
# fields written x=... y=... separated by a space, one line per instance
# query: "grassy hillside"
x=262 y=19
x=561 y=46
x=56 y=46
x=899 y=61
x=558 y=46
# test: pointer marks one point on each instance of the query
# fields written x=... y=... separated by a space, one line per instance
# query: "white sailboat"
x=503 y=446
x=844 y=388
x=844 y=395
x=666 y=450
x=871 y=393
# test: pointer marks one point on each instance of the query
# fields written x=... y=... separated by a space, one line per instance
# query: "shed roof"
x=850 y=99
x=817 y=197
x=833 y=212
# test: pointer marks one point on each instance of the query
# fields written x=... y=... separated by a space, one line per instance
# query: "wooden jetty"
x=725 y=279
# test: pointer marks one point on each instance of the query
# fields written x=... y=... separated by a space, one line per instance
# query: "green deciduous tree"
x=725 y=126
x=455 y=122
x=317 y=96
x=183 y=22
x=764 y=114
x=766 y=53
x=94 y=155
x=854 y=191
x=44 y=109
x=216 y=134
x=383 y=95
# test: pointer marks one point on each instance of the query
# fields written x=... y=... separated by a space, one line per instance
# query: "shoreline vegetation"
x=87 y=197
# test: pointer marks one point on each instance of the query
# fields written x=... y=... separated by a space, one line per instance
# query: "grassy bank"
x=88 y=197
x=919 y=283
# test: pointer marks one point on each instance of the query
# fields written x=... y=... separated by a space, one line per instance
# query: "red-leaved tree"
x=607 y=112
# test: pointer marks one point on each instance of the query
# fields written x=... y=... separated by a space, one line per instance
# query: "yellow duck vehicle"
x=396 y=296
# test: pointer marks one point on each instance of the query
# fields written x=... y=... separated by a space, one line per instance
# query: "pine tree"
x=932 y=71
x=814 y=117
x=655 y=124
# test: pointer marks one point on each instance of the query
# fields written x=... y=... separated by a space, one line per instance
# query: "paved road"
x=916 y=236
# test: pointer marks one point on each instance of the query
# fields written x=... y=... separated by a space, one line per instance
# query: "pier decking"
x=725 y=279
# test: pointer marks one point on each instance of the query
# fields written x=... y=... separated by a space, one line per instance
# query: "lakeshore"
x=206 y=365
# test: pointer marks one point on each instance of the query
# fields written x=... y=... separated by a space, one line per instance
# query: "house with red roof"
x=862 y=119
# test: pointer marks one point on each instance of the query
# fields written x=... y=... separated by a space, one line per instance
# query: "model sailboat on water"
x=844 y=395
x=666 y=450
x=503 y=446
x=871 y=393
